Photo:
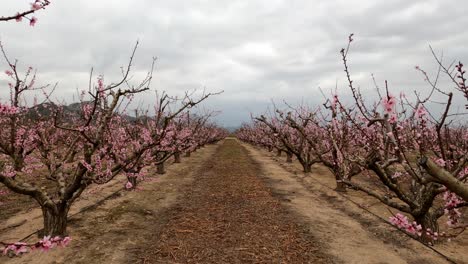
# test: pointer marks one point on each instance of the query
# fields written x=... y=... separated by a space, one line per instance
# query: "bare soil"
x=228 y=215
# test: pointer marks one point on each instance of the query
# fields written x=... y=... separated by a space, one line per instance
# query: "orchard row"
x=418 y=155
x=53 y=152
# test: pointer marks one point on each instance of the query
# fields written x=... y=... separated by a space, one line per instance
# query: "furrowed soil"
x=228 y=203
x=229 y=215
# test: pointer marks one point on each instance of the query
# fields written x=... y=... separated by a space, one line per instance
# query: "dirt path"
x=351 y=234
x=230 y=216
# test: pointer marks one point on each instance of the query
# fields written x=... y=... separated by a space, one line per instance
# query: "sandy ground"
x=352 y=234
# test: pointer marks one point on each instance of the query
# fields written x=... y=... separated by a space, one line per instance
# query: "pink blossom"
x=65 y=241
x=18 y=18
x=128 y=185
x=46 y=243
x=393 y=119
x=9 y=73
x=389 y=103
x=87 y=165
x=401 y=221
x=441 y=162
x=451 y=210
x=33 y=21
x=35 y=6
x=421 y=111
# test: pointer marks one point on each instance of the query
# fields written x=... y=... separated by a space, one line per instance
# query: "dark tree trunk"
x=55 y=222
x=307 y=167
x=160 y=168
x=289 y=157
x=18 y=164
x=427 y=220
x=340 y=185
x=187 y=154
x=278 y=153
x=133 y=181
x=177 y=157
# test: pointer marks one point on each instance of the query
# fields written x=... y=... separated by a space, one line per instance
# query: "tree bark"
x=445 y=177
x=427 y=220
x=177 y=157
x=289 y=157
x=160 y=168
x=278 y=153
x=307 y=167
x=187 y=154
x=133 y=181
x=340 y=185
x=55 y=221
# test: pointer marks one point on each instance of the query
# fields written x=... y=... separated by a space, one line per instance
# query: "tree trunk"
x=133 y=181
x=177 y=157
x=187 y=154
x=289 y=157
x=278 y=153
x=427 y=221
x=340 y=185
x=55 y=222
x=160 y=168
x=18 y=164
x=307 y=167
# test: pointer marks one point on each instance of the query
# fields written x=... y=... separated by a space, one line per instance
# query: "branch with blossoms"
x=35 y=6
x=45 y=244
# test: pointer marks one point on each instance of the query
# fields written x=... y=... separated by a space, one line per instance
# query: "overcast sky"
x=256 y=50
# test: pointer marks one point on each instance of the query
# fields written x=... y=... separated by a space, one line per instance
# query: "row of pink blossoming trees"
x=53 y=152
x=418 y=157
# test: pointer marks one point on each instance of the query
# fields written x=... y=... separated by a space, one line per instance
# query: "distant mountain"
x=74 y=109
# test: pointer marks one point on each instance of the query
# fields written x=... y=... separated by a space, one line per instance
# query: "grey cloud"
x=256 y=51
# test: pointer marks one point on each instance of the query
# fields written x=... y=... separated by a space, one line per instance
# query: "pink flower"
x=87 y=166
x=9 y=73
x=18 y=17
x=397 y=175
x=441 y=162
x=46 y=244
x=66 y=241
x=33 y=21
x=421 y=111
x=389 y=103
x=35 y=6
x=129 y=185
